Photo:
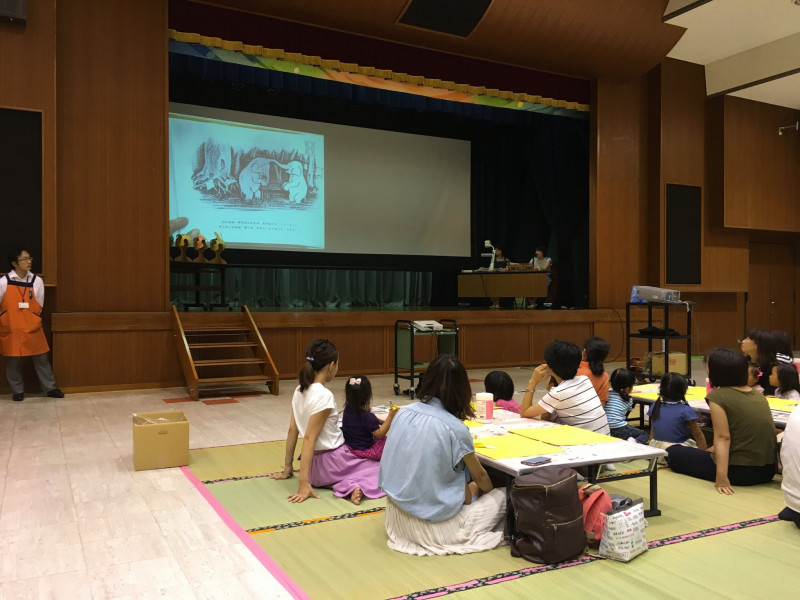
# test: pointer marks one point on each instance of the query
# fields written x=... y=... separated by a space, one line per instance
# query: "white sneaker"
x=610 y=467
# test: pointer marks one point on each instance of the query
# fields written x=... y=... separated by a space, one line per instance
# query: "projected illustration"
x=258 y=186
x=254 y=178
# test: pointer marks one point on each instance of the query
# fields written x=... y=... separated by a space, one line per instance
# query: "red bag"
x=596 y=504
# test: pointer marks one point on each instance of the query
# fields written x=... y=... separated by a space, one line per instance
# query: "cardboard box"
x=160 y=440
x=677 y=363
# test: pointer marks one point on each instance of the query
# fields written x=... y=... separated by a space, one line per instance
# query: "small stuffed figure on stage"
x=21 y=334
x=183 y=242
x=200 y=244
x=217 y=246
x=362 y=430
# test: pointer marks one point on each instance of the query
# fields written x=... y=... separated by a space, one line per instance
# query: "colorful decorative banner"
x=193 y=44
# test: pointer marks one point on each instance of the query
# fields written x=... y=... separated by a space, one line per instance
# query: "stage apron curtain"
x=307 y=288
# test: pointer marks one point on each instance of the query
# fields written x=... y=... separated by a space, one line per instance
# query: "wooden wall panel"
x=360 y=348
x=115 y=360
x=618 y=191
x=718 y=320
x=725 y=251
x=614 y=334
x=577 y=333
x=490 y=345
x=95 y=351
x=112 y=159
x=691 y=143
x=28 y=81
x=762 y=178
x=284 y=349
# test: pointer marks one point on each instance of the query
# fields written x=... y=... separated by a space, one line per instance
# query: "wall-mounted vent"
x=455 y=17
x=13 y=11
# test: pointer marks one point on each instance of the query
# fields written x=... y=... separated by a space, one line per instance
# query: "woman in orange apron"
x=21 y=334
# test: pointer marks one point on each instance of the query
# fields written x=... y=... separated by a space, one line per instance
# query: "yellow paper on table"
x=471 y=424
x=564 y=435
x=782 y=404
x=513 y=446
x=693 y=393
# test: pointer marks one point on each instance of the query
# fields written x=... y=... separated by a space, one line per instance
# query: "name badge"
x=23 y=305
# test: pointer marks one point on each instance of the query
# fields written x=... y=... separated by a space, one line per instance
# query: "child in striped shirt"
x=620 y=404
x=573 y=400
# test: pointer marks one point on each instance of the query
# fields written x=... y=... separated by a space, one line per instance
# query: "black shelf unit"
x=404 y=361
x=664 y=306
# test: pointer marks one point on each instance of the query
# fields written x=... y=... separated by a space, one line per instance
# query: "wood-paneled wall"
x=618 y=196
x=98 y=351
x=690 y=154
x=112 y=155
x=762 y=174
x=28 y=81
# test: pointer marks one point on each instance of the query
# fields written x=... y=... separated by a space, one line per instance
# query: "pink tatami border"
x=265 y=559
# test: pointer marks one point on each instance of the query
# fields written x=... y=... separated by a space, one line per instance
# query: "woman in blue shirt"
x=440 y=499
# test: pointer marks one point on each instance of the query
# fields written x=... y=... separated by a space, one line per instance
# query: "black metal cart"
x=665 y=306
x=404 y=334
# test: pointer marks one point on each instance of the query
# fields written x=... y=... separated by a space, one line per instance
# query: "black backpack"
x=545 y=523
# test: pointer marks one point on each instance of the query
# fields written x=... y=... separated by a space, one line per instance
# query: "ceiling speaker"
x=13 y=11
x=456 y=17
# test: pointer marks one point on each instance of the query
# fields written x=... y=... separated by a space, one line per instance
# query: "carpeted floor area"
x=332 y=549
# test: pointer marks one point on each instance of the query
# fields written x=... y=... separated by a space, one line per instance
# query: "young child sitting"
x=786 y=381
x=753 y=375
x=672 y=420
x=595 y=351
x=501 y=387
x=573 y=400
x=620 y=404
x=362 y=430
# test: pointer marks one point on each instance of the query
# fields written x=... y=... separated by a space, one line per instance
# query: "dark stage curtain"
x=532 y=186
x=266 y=287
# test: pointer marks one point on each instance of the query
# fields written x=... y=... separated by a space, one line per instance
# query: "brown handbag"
x=545 y=523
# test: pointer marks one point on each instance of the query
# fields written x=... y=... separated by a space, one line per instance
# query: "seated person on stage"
x=744 y=431
x=573 y=400
x=501 y=262
x=541 y=262
x=439 y=498
x=501 y=387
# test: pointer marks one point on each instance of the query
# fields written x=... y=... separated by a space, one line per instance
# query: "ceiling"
x=581 y=38
x=750 y=48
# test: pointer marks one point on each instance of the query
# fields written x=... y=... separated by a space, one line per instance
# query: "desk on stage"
x=502 y=284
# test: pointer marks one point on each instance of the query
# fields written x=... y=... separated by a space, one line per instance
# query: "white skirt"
x=475 y=528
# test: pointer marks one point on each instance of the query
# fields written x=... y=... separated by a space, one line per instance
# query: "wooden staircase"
x=225 y=356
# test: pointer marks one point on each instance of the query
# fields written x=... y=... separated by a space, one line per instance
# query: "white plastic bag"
x=623 y=536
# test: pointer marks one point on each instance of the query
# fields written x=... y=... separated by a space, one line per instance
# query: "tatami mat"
x=314 y=540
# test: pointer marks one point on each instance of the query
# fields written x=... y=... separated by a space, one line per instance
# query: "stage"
x=112 y=351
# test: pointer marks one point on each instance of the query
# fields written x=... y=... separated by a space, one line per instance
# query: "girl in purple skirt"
x=363 y=432
x=315 y=418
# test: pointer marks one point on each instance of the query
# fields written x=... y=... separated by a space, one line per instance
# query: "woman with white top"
x=326 y=460
x=541 y=262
